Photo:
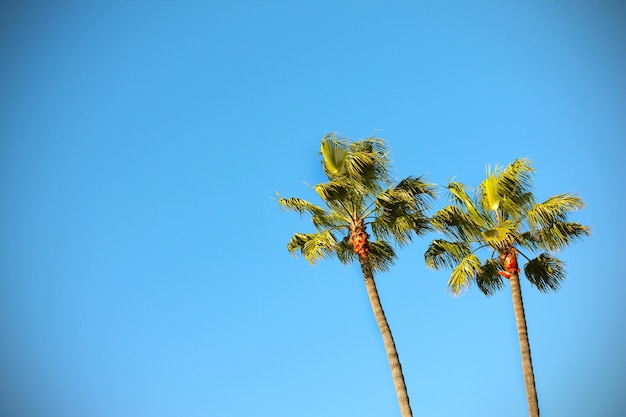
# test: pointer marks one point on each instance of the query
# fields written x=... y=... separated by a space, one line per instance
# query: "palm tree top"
x=359 y=194
x=503 y=217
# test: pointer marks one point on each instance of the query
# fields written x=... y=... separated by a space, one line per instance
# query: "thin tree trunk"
x=390 y=346
x=524 y=344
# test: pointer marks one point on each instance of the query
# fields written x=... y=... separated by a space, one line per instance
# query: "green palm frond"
x=364 y=164
x=367 y=164
x=460 y=197
x=361 y=164
x=399 y=211
x=300 y=205
x=501 y=235
x=320 y=217
x=516 y=178
x=464 y=273
x=515 y=183
x=488 y=280
x=417 y=191
x=554 y=209
x=345 y=251
x=332 y=191
x=313 y=246
x=558 y=235
x=371 y=144
x=333 y=153
x=545 y=272
x=375 y=152
x=401 y=228
x=489 y=192
x=455 y=222
x=444 y=254
x=398 y=227
x=381 y=255
x=331 y=220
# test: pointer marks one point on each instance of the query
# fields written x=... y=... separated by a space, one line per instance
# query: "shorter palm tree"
x=361 y=195
x=504 y=219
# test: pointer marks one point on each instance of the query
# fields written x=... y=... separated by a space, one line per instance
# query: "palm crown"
x=360 y=193
x=504 y=218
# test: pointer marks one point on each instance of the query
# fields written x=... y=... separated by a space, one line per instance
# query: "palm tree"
x=360 y=194
x=504 y=219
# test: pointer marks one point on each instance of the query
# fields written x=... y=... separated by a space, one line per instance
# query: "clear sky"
x=144 y=270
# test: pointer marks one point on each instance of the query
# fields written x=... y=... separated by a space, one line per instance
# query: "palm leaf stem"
x=523 y=254
x=369 y=210
x=479 y=247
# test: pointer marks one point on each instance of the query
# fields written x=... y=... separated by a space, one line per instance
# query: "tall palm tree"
x=360 y=194
x=503 y=218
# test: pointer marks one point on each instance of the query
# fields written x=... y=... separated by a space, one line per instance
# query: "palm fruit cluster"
x=509 y=259
x=359 y=239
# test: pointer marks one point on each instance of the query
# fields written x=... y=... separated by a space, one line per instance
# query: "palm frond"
x=332 y=191
x=345 y=251
x=554 y=209
x=377 y=148
x=515 y=186
x=455 y=222
x=320 y=217
x=489 y=191
x=362 y=165
x=558 y=235
x=444 y=254
x=545 y=272
x=516 y=178
x=460 y=197
x=501 y=235
x=299 y=205
x=313 y=246
x=464 y=273
x=418 y=191
x=381 y=255
x=399 y=211
x=488 y=280
x=367 y=164
x=333 y=153
x=398 y=227
x=333 y=220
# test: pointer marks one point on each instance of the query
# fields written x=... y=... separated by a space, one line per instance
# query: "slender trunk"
x=390 y=346
x=524 y=345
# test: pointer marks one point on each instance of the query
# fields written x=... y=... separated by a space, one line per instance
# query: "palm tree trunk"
x=524 y=344
x=390 y=346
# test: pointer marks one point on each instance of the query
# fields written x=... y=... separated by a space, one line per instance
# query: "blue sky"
x=144 y=269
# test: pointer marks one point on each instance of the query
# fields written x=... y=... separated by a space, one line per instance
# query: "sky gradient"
x=144 y=269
